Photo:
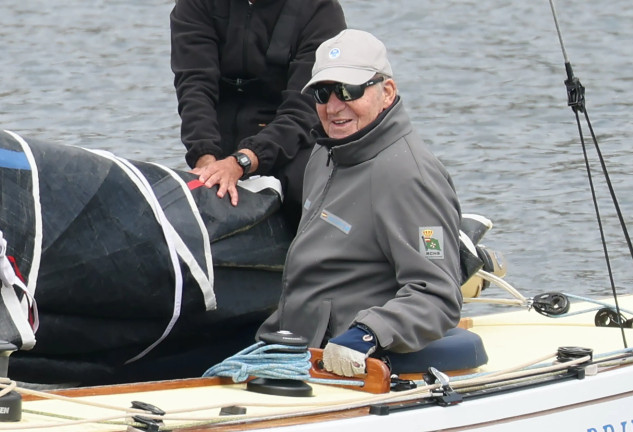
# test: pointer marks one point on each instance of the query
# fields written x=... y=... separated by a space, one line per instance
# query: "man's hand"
x=345 y=354
x=225 y=173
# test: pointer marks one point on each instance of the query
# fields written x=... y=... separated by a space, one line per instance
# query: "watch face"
x=244 y=161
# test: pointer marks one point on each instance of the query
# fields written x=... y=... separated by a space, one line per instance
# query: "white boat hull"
x=518 y=390
x=602 y=403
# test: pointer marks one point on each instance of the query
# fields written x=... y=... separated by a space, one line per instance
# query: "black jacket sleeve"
x=195 y=63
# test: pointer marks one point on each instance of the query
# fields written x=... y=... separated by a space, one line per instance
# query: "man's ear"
x=389 y=92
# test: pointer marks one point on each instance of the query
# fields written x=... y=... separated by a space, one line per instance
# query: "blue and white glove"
x=345 y=354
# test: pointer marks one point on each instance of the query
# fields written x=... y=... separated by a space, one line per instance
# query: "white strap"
x=171 y=237
x=18 y=311
x=204 y=279
x=258 y=183
x=37 y=210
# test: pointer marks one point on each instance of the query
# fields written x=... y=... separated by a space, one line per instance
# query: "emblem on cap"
x=334 y=53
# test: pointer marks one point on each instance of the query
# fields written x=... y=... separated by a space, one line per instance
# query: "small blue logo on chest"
x=336 y=221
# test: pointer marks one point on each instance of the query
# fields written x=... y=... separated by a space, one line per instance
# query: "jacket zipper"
x=310 y=220
x=240 y=80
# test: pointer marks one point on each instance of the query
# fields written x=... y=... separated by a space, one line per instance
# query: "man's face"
x=341 y=119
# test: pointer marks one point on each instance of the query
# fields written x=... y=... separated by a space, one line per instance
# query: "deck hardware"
x=148 y=424
x=279 y=387
x=287 y=342
x=578 y=371
x=10 y=403
x=551 y=304
x=568 y=353
x=11 y=407
x=377 y=379
x=607 y=317
x=284 y=337
x=380 y=410
x=232 y=410
x=443 y=395
x=398 y=384
x=147 y=407
x=386 y=409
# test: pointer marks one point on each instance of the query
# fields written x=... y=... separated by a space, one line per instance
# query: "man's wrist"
x=244 y=163
x=205 y=159
x=358 y=338
x=252 y=156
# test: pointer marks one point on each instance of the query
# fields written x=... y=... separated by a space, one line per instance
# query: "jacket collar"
x=389 y=126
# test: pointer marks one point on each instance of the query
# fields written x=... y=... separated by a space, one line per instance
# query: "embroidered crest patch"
x=432 y=242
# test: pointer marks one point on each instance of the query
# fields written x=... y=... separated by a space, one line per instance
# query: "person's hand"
x=345 y=354
x=225 y=173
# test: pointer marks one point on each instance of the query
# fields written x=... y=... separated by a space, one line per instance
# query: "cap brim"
x=341 y=74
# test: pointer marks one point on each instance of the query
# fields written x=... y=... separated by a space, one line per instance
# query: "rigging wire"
x=576 y=100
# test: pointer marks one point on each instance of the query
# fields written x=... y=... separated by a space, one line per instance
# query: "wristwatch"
x=245 y=162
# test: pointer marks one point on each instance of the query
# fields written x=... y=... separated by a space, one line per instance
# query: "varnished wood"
x=135 y=387
x=377 y=380
x=465 y=323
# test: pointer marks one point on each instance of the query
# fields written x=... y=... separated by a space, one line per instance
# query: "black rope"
x=576 y=100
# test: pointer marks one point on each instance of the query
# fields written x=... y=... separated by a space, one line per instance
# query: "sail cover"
x=122 y=255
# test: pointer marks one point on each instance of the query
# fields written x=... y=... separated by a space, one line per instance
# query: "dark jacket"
x=232 y=92
x=378 y=243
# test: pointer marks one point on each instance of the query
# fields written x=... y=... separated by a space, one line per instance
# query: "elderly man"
x=374 y=268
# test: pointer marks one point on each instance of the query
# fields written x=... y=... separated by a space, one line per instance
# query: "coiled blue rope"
x=272 y=361
x=258 y=360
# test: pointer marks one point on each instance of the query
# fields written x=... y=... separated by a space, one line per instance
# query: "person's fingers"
x=204 y=176
x=232 y=189
x=222 y=188
x=219 y=173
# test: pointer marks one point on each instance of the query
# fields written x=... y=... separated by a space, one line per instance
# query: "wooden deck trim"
x=135 y=387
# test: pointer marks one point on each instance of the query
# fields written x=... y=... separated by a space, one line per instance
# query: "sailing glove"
x=345 y=354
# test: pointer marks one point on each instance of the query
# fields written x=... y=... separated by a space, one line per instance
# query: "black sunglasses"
x=345 y=92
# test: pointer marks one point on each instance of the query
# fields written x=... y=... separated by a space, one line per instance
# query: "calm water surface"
x=483 y=82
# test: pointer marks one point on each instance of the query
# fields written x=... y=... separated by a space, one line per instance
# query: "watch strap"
x=243 y=161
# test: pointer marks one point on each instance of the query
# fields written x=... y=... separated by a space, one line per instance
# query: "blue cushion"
x=458 y=349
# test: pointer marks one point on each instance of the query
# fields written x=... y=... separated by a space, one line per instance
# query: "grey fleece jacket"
x=378 y=242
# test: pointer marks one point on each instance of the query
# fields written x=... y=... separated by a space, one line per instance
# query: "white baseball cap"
x=351 y=57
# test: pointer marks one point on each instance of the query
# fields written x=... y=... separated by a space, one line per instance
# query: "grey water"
x=482 y=81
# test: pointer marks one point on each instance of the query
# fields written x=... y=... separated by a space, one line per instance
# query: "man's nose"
x=334 y=104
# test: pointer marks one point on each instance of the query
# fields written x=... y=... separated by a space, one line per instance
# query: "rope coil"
x=265 y=361
x=275 y=361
